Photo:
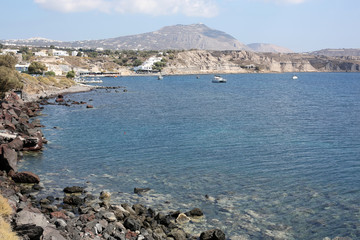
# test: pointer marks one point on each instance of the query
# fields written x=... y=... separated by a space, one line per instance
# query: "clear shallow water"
x=277 y=157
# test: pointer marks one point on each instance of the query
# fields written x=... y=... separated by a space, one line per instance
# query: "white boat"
x=295 y=77
x=160 y=77
x=218 y=79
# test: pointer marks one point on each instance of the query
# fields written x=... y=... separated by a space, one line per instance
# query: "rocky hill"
x=344 y=52
x=181 y=37
x=266 y=47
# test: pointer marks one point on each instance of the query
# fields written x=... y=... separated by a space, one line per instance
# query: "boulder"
x=16 y=144
x=132 y=224
x=8 y=158
x=182 y=218
x=33 y=143
x=51 y=233
x=32 y=216
x=141 y=190
x=25 y=177
x=178 y=234
x=213 y=234
x=29 y=231
x=89 y=106
x=74 y=189
x=196 y=212
x=73 y=200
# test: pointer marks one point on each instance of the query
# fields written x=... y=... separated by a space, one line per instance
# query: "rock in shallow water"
x=213 y=234
x=26 y=177
x=74 y=189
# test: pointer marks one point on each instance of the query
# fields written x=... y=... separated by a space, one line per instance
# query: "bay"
x=264 y=156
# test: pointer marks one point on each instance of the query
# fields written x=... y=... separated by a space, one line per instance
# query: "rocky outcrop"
x=220 y=62
x=18 y=134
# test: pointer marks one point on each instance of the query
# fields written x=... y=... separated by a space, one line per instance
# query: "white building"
x=41 y=53
x=6 y=51
x=59 y=53
x=22 y=67
x=74 y=53
x=148 y=64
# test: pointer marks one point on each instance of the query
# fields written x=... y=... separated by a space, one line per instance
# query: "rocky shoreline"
x=78 y=214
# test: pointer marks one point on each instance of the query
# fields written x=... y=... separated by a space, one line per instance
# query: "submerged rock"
x=141 y=190
x=26 y=177
x=74 y=189
x=213 y=234
x=196 y=212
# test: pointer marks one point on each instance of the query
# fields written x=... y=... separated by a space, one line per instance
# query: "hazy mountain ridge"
x=267 y=47
x=178 y=37
x=344 y=52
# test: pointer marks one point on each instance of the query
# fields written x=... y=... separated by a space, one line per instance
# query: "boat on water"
x=218 y=79
x=160 y=77
x=294 y=77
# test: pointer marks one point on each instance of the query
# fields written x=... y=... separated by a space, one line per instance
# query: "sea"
x=263 y=156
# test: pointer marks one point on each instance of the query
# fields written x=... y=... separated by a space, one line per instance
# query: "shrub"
x=37 y=68
x=50 y=73
x=70 y=74
x=9 y=80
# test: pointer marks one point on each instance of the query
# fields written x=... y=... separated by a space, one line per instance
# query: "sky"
x=300 y=25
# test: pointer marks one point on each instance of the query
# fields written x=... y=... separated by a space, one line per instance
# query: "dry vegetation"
x=5 y=229
x=39 y=84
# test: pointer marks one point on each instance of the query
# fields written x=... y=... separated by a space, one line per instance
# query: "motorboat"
x=218 y=79
x=160 y=77
x=295 y=77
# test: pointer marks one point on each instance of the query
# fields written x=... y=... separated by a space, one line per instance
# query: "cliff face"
x=196 y=62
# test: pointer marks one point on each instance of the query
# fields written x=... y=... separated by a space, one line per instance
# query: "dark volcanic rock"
x=132 y=224
x=74 y=189
x=16 y=144
x=8 y=159
x=196 y=212
x=141 y=190
x=73 y=200
x=26 y=177
x=213 y=234
x=29 y=231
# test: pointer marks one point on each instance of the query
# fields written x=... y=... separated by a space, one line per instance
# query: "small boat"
x=160 y=77
x=295 y=77
x=218 y=79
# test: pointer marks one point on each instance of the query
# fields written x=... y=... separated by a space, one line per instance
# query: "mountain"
x=344 y=52
x=266 y=47
x=180 y=37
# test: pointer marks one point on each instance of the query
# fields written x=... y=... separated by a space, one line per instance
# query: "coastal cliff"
x=197 y=62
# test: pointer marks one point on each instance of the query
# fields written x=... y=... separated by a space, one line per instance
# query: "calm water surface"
x=277 y=158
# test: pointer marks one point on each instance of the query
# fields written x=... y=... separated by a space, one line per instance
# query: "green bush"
x=37 y=68
x=9 y=77
x=70 y=74
x=50 y=73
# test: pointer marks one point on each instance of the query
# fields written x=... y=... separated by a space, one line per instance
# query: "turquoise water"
x=277 y=158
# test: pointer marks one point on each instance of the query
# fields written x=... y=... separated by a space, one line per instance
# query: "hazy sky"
x=301 y=25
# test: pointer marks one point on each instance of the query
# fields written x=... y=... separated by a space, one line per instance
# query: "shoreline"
x=79 y=214
x=52 y=93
